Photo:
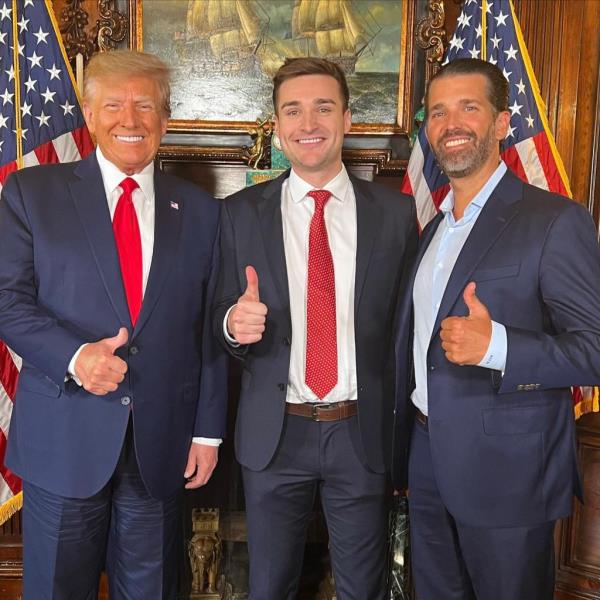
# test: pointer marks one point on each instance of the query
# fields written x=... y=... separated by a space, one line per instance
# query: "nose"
x=128 y=115
x=308 y=121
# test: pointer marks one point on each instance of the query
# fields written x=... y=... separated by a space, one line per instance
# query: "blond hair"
x=128 y=63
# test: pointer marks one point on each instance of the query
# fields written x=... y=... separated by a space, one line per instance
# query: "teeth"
x=129 y=138
x=310 y=141
x=453 y=143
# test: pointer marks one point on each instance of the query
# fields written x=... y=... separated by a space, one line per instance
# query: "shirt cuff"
x=71 y=367
x=495 y=357
x=207 y=441
x=231 y=341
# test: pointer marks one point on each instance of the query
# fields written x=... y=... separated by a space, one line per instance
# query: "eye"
x=324 y=109
x=111 y=106
x=470 y=108
x=145 y=107
x=436 y=114
x=291 y=113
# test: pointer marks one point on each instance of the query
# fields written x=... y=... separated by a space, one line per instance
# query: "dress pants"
x=454 y=561
x=279 y=501
x=68 y=541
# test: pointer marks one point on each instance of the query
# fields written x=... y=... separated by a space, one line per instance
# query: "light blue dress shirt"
x=431 y=280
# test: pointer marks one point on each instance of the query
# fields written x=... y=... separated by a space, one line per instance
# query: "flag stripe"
x=12 y=481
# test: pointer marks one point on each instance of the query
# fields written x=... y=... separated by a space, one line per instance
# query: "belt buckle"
x=316 y=407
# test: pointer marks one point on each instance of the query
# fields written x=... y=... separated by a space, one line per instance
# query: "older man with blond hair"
x=107 y=267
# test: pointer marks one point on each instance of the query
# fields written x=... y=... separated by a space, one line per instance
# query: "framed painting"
x=224 y=53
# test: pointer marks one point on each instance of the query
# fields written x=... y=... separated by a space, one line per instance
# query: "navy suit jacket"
x=252 y=234
x=61 y=286
x=503 y=447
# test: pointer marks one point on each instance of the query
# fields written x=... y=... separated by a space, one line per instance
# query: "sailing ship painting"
x=225 y=52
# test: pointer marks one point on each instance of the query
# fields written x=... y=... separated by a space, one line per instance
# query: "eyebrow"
x=462 y=101
x=317 y=101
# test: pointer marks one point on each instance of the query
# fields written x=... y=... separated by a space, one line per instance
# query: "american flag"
x=488 y=29
x=40 y=122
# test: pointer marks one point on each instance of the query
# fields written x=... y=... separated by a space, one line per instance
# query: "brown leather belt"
x=421 y=419
x=321 y=411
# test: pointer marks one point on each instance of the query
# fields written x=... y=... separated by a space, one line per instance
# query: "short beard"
x=470 y=160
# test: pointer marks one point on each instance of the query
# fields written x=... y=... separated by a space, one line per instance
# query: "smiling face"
x=311 y=122
x=128 y=120
x=462 y=127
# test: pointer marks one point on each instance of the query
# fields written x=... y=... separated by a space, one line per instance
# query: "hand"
x=202 y=460
x=466 y=339
x=246 y=321
x=98 y=369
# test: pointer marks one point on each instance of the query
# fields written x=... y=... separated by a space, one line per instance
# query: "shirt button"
x=440 y=265
x=134 y=349
x=125 y=400
x=281 y=386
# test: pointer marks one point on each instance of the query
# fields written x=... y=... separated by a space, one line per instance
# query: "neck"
x=318 y=178
x=466 y=188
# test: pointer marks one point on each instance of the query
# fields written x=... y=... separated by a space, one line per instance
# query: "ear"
x=501 y=125
x=88 y=115
x=347 y=120
x=163 y=124
x=276 y=124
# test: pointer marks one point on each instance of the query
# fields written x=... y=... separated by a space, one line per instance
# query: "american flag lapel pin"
x=174 y=205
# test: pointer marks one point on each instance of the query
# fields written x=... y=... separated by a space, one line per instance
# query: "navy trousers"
x=279 y=501
x=453 y=561
x=68 y=541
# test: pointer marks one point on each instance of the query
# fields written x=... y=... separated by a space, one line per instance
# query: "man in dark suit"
x=504 y=315
x=107 y=272
x=310 y=272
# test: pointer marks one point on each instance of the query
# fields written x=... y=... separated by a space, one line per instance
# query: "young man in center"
x=312 y=264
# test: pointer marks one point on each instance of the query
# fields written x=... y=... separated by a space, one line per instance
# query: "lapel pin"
x=174 y=205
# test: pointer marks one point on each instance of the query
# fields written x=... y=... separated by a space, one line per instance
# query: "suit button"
x=281 y=386
x=134 y=349
x=431 y=367
x=125 y=400
x=286 y=341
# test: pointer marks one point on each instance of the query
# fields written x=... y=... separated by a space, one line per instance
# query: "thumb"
x=474 y=304
x=252 y=284
x=118 y=340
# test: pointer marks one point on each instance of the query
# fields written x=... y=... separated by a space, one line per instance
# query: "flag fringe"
x=588 y=405
x=10 y=507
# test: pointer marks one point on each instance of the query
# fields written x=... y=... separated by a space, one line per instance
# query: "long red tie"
x=129 y=247
x=321 y=373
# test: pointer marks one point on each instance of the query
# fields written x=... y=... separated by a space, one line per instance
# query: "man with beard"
x=504 y=317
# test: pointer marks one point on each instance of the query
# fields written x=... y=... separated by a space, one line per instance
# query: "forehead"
x=308 y=88
x=124 y=85
x=454 y=88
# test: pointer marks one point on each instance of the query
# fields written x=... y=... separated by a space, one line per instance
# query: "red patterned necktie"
x=321 y=333
x=129 y=247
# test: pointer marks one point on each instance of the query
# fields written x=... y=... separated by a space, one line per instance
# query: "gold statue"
x=260 y=133
x=204 y=551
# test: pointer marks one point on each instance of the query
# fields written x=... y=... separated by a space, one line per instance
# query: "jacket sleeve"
x=33 y=332
x=568 y=351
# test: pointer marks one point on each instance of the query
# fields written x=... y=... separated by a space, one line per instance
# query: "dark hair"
x=309 y=65
x=497 y=84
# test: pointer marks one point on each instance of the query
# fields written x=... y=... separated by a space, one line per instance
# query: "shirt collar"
x=338 y=186
x=480 y=199
x=112 y=176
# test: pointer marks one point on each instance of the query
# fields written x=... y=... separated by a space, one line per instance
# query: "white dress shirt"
x=297 y=210
x=143 y=202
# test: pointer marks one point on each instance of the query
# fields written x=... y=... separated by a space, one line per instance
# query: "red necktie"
x=129 y=247
x=321 y=334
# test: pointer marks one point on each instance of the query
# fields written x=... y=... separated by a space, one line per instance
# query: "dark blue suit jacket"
x=503 y=447
x=61 y=286
x=252 y=234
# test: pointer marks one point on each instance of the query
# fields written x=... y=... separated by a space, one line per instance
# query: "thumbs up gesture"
x=97 y=367
x=466 y=339
x=246 y=321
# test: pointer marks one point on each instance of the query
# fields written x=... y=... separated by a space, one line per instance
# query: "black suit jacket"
x=252 y=234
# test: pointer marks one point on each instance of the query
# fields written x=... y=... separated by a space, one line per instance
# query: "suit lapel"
x=501 y=207
x=368 y=224
x=271 y=226
x=167 y=226
x=92 y=207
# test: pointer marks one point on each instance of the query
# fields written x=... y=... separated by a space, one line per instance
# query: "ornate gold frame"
x=404 y=122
